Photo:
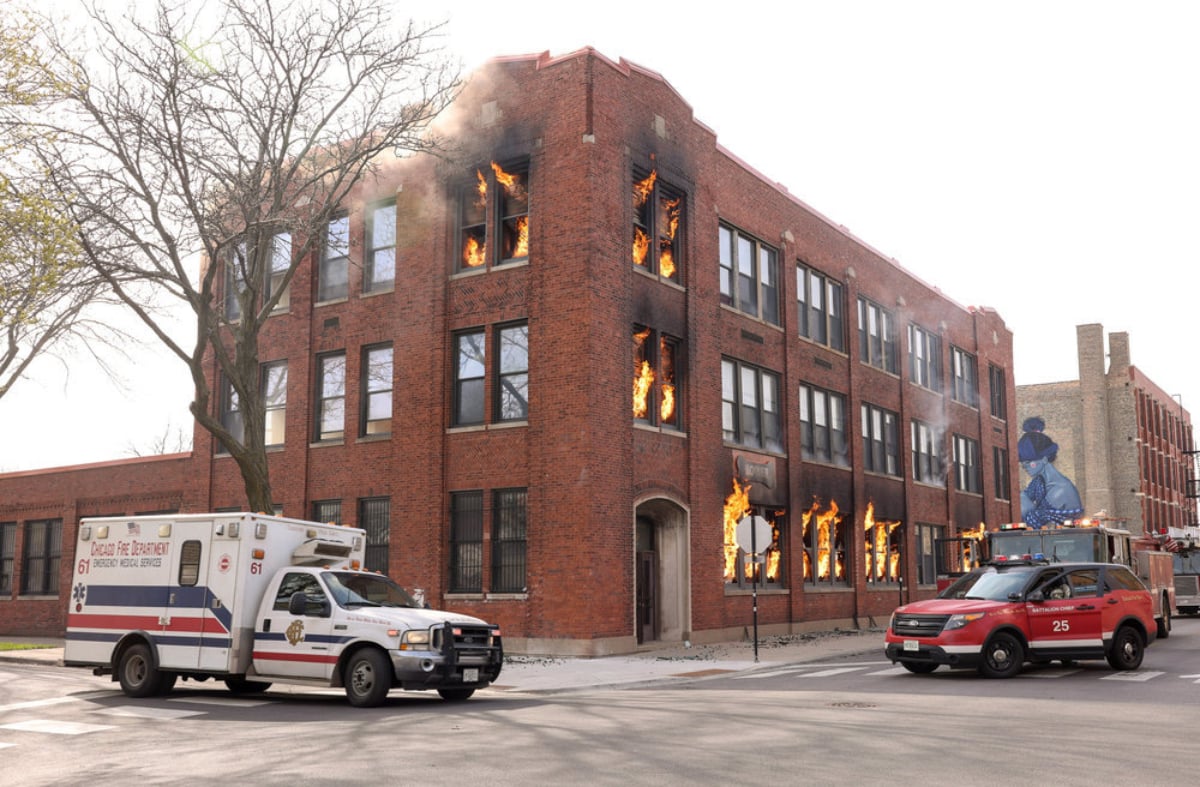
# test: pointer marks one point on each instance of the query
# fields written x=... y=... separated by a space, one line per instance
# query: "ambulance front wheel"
x=138 y=675
x=368 y=678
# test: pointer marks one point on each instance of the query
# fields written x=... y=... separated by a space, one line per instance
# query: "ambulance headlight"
x=414 y=640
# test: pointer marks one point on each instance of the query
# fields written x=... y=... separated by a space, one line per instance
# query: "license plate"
x=471 y=675
x=912 y=644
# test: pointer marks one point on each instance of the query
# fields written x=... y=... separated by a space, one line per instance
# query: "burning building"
x=549 y=377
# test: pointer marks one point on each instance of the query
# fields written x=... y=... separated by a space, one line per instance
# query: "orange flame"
x=641 y=245
x=737 y=505
x=666 y=257
x=825 y=524
x=481 y=188
x=521 y=248
x=474 y=253
x=511 y=183
x=970 y=556
x=880 y=564
x=643 y=375
x=666 y=408
x=643 y=188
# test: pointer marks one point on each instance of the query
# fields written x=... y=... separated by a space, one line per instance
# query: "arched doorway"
x=662 y=583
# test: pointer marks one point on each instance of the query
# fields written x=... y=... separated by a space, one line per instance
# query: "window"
x=469 y=371
x=824 y=545
x=376 y=387
x=823 y=427
x=42 y=549
x=8 y=551
x=750 y=407
x=511 y=210
x=331 y=396
x=231 y=412
x=274 y=392
x=745 y=572
x=657 y=218
x=965 y=382
x=967 y=476
x=316 y=602
x=333 y=276
x=466 y=542
x=327 y=511
x=927 y=538
x=749 y=275
x=877 y=336
x=1000 y=472
x=512 y=376
x=275 y=271
x=881 y=558
x=281 y=262
x=508 y=541
x=998 y=391
x=374 y=516
x=927 y=465
x=924 y=358
x=189 y=563
x=819 y=308
x=881 y=440
x=656 y=393
x=379 y=257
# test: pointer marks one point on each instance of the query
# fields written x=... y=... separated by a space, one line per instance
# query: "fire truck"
x=1083 y=540
x=252 y=600
x=1184 y=545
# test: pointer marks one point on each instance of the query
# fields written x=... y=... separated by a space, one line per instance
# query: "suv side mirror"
x=1036 y=595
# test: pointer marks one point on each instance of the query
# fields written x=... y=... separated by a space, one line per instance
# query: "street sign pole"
x=750 y=531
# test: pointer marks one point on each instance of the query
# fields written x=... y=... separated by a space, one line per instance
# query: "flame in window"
x=882 y=560
x=510 y=183
x=970 y=552
x=666 y=408
x=641 y=246
x=825 y=523
x=670 y=220
x=641 y=241
x=643 y=374
x=474 y=253
x=737 y=505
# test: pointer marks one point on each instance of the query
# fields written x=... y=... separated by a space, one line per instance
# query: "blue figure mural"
x=1050 y=497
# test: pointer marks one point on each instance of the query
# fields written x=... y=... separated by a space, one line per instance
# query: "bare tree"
x=48 y=297
x=190 y=141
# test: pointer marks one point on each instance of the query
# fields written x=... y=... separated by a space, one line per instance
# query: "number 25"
x=1061 y=625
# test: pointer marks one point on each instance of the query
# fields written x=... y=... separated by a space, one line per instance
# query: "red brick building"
x=550 y=376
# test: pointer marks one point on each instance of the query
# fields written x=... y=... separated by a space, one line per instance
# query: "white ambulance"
x=253 y=600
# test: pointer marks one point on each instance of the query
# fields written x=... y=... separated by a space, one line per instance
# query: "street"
x=854 y=720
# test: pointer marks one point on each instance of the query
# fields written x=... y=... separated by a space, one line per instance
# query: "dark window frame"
x=968 y=472
x=659 y=218
x=511 y=374
x=665 y=389
x=493 y=217
x=880 y=440
x=470 y=377
x=374 y=516
x=741 y=403
x=8 y=557
x=272 y=404
x=376 y=388
x=746 y=264
x=466 y=542
x=372 y=249
x=329 y=511
x=823 y=323
x=323 y=399
x=925 y=358
x=998 y=391
x=928 y=462
x=333 y=267
x=1001 y=473
x=747 y=573
x=877 y=340
x=820 y=442
x=964 y=377
x=510 y=523
x=41 y=554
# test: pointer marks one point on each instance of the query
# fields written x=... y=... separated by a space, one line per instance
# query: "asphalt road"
x=850 y=721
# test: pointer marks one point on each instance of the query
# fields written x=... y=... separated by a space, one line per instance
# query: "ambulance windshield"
x=352 y=589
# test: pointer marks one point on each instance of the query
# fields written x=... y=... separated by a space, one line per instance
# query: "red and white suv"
x=1001 y=615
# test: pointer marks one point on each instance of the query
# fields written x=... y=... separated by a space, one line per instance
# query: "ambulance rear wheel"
x=243 y=686
x=136 y=672
x=368 y=678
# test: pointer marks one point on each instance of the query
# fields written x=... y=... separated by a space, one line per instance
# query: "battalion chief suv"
x=1003 y=614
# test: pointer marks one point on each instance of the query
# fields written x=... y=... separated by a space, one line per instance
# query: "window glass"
x=333 y=278
x=377 y=390
x=512 y=385
x=379 y=260
x=470 y=368
x=331 y=396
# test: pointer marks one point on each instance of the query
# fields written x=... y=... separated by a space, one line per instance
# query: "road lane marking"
x=148 y=712
x=55 y=727
x=35 y=704
x=1138 y=677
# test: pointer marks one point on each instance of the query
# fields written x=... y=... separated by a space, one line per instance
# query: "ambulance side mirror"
x=298 y=603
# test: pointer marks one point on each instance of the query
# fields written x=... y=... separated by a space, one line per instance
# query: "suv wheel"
x=1164 y=623
x=1127 y=649
x=1002 y=656
x=919 y=667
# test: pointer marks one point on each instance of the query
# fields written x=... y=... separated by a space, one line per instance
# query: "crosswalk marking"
x=4 y=745
x=35 y=704
x=1138 y=677
x=55 y=727
x=830 y=672
x=148 y=712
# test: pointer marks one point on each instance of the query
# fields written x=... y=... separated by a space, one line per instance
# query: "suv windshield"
x=353 y=589
x=988 y=583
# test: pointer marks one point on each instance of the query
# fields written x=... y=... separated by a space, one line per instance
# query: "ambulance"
x=252 y=600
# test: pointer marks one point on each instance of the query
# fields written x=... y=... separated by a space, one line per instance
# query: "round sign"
x=753 y=534
x=224 y=563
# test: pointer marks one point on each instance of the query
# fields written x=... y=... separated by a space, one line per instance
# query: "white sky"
x=1039 y=158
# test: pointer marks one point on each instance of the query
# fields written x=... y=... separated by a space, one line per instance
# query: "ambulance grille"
x=909 y=625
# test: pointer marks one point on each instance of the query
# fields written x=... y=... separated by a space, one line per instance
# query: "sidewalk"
x=544 y=674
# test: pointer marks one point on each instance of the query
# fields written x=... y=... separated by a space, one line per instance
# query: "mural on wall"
x=1050 y=497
